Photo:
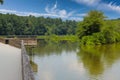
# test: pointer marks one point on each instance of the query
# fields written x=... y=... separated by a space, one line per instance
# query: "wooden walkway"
x=10 y=63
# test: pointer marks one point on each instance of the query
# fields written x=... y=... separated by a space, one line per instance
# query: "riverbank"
x=53 y=38
x=57 y=38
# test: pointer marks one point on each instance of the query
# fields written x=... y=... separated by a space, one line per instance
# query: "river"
x=68 y=61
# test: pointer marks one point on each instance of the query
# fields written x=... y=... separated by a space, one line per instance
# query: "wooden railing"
x=27 y=72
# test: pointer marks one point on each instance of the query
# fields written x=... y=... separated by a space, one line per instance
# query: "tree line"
x=11 y=24
x=93 y=30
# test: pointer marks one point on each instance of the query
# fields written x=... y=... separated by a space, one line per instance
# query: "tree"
x=30 y=25
x=91 y=24
x=1 y=1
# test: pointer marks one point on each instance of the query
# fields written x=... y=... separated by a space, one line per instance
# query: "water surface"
x=68 y=61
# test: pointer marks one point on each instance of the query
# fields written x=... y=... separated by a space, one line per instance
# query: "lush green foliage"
x=56 y=38
x=29 y=25
x=96 y=30
x=91 y=24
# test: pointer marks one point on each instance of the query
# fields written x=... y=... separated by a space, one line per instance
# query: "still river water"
x=68 y=61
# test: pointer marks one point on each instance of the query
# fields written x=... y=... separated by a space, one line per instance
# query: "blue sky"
x=65 y=9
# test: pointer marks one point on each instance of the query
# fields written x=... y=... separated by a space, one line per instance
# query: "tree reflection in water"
x=97 y=59
x=46 y=48
x=98 y=62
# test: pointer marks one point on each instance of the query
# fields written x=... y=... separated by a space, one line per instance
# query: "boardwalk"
x=10 y=63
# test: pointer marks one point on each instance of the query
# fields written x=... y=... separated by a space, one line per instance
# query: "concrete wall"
x=11 y=41
x=26 y=67
x=27 y=72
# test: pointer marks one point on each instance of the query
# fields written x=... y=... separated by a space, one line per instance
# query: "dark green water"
x=66 y=61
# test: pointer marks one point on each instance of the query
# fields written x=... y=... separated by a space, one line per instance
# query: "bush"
x=99 y=38
x=87 y=40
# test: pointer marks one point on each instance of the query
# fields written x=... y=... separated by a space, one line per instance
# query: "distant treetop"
x=1 y=1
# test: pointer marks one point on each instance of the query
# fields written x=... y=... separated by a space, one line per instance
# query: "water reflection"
x=97 y=59
x=67 y=61
x=49 y=48
x=30 y=50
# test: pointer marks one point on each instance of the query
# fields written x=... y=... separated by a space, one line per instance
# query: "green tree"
x=91 y=24
x=30 y=25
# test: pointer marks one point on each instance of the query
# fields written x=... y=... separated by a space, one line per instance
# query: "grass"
x=56 y=38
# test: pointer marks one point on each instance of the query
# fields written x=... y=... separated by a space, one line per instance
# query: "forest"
x=11 y=24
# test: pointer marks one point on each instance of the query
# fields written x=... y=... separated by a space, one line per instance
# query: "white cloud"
x=110 y=6
x=100 y=5
x=81 y=15
x=50 y=12
x=5 y=11
x=62 y=13
x=87 y=2
x=53 y=10
x=19 y=13
x=76 y=18
x=54 y=7
x=47 y=10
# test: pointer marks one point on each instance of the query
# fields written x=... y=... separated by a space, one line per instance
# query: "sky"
x=65 y=9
